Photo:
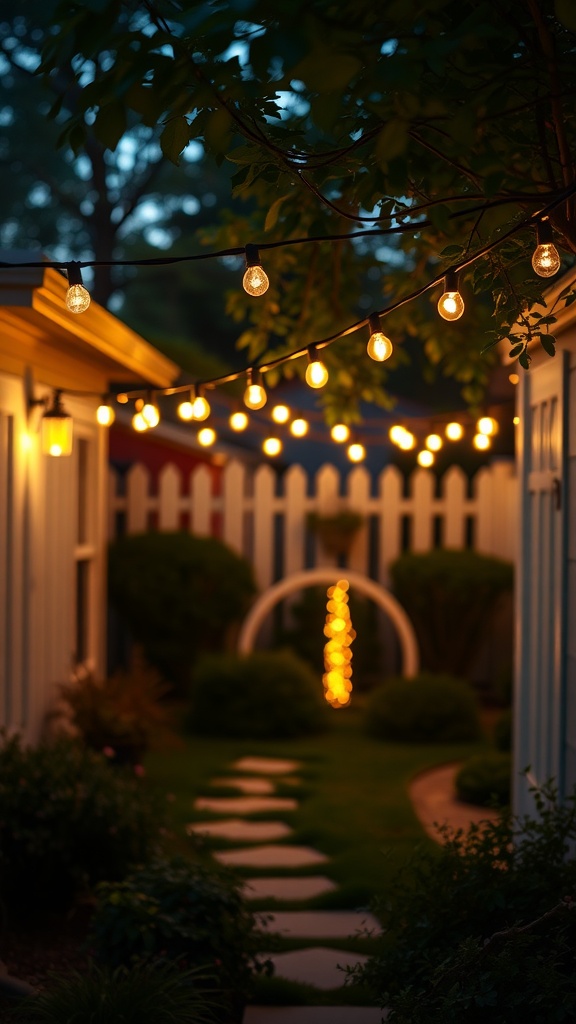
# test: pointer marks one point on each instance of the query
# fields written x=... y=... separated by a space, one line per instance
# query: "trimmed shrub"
x=159 y=994
x=483 y=926
x=268 y=694
x=426 y=709
x=450 y=597
x=67 y=821
x=178 y=595
x=503 y=731
x=485 y=780
x=179 y=911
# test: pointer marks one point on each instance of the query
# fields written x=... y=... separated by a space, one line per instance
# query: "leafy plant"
x=150 y=994
x=179 y=911
x=264 y=694
x=67 y=821
x=484 y=779
x=450 y=597
x=484 y=928
x=179 y=595
x=335 y=532
x=426 y=709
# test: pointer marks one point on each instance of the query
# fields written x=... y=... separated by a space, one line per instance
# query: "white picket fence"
x=264 y=517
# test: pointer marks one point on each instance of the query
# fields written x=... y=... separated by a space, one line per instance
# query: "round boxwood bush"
x=484 y=779
x=425 y=709
x=264 y=694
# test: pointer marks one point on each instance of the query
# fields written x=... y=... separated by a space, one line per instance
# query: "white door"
x=541 y=583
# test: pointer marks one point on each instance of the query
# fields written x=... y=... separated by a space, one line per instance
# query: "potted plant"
x=336 y=532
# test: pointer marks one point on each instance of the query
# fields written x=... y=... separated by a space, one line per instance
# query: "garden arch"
x=327 y=575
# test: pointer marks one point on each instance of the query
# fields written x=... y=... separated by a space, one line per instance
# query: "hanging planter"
x=337 y=532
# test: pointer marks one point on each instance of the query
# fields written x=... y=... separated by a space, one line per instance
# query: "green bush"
x=267 y=694
x=484 y=779
x=426 y=709
x=179 y=911
x=67 y=821
x=483 y=928
x=450 y=597
x=159 y=994
x=503 y=731
x=179 y=596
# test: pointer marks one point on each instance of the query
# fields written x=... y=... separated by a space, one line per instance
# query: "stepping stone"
x=323 y=924
x=249 y=786
x=274 y=856
x=313 y=1015
x=241 y=831
x=244 y=804
x=318 y=966
x=265 y=766
x=287 y=888
x=433 y=797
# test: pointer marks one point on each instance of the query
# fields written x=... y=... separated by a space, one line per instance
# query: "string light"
x=425 y=458
x=316 y=372
x=486 y=425
x=255 y=281
x=200 y=406
x=255 y=396
x=280 y=413
x=77 y=297
x=337 y=678
x=356 y=452
x=206 y=436
x=454 y=431
x=451 y=303
x=514 y=378
x=396 y=432
x=433 y=442
x=151 y=412
x=481 y=441
x=185 y=408
x=299 y=427
x=105 y=414
x=379 y=346
x=546 y=259
x=122 y=398
x=272 y=446
x=340 y=433
x=238 y=421
x=407 y=441
x=139 y=423
x=57 y=429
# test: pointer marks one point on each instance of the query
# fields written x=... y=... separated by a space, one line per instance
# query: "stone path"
x=434 y=799
x=317 y=965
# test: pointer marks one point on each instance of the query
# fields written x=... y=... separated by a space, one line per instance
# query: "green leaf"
x=451 y=251
x=217 y=133
x=110 y=124
x=391 y=141
x=548 y=344
x=273 y=212
x=516 y=350
x=175 y=138
x=323 y=71
x=524 y=359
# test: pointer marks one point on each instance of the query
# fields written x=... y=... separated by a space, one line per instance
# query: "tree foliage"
x=448 y=124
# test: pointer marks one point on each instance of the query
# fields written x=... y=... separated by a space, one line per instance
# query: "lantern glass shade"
x=57 y=433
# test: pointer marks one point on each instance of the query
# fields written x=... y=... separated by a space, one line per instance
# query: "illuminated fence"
x=264 y=516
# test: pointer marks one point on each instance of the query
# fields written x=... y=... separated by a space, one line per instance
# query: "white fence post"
x=233 y=484
x=169 y=484
x=138 y=503
x=264 y=486
x=295 y=514
x=358 y=490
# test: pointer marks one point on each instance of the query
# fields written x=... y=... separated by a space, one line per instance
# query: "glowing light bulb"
x=185 y=410
x=200 y=408
x=105 y=414
x=379 y=346
x=122 y=398
x=451 y=303
x=340 y=432
x=487 y=425
x=206 y=436
x=57 y=429
x=546 y=259
x=255 y=281
x=454 y=431
x=238 y=421
x=481 y=441
x=356 y=452
x=77 y=297
x=514 y=378
x=255 y=396
x=425 y=458
x=151 y=413
x=516 y=420
x=433 y=442
x=407 y=442
x=280 y=414
x=139 y=423
x=272 y=446
x=396 y=433
x=316 y=372
x=299 y=427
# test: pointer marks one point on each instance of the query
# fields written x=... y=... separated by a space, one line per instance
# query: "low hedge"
x=485 y=780
x=266 y=694
x=425 y=709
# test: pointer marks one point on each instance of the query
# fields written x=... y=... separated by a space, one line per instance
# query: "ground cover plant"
x=485 y=779
x=429 y=708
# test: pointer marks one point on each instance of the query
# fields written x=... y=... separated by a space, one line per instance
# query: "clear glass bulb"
x=77 y=298
x=151 y=414
x=433 y=442
x=139 y=423
x=206 y=436
x=356 y=452
x=451 y=305
x=340 y=432
x=200 y=408
x=238 y=421
x=481 y=441
x=425 y=458
x=486 y=425
x=186 y=410
x=379 y=347
x=299 y=427
x=255 y=281
x=454 y=431
x=316 y=374
x=105 y=414
x=396 y=433
x=280 y=413
x=255 y=396
x=272 y=446
x=546 y=260
x=407 y=442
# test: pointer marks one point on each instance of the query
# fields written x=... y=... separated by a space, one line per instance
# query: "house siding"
x=570 y=758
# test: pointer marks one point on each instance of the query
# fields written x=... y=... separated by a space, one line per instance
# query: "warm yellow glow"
x=200 y=408
x=337 y=653
x=407 y=441
x=481 y=441
x=425 y=458
x=356 y=452
x=255 y=396
x=546 y=260
x=255 y=281
x=105 y=414
x=139 y=423
x=487 y=425
x=57 y=432
x=396 y=433
x=513 y=378
x=451 y=306
x=280 y=414
x=454 y=431
x=77 y=298
x=340 y=432
x=299 y=427
x=434 y=442
x=272 y=446
x=206 y=436
x=316 y=374
x=516 y=421
x=151 y=414
x=185 y=410
x=25 y=442
x=122 y=398
x=379 y=347
x=238 y=421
